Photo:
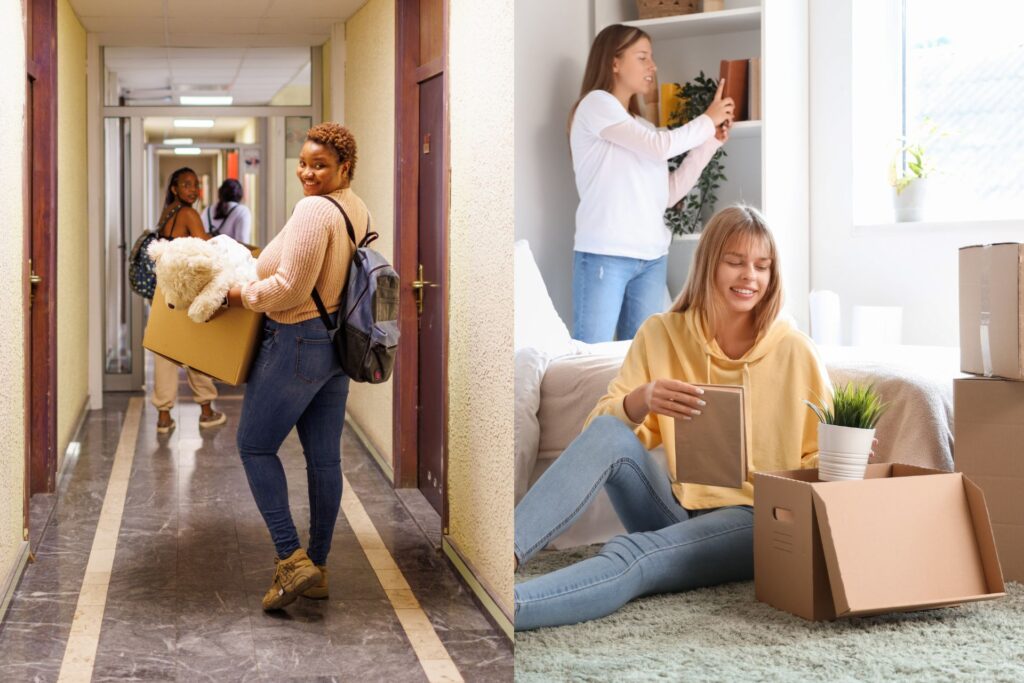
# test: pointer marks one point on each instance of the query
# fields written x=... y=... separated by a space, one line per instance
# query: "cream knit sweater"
x=313 y=248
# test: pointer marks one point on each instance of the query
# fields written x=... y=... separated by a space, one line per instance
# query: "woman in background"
x=621 y=166
x=179 y=219
x=228 y=216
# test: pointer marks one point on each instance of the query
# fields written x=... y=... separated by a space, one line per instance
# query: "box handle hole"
x=782 y=514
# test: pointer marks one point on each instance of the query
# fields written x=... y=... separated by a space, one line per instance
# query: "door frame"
x=408 y=75
x=41 y=247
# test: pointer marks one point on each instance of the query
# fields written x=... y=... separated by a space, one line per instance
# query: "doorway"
x=421 y=251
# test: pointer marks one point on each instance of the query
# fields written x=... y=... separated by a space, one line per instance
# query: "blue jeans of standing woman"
x=667 y=548
x=613 y=295
x=295 y=381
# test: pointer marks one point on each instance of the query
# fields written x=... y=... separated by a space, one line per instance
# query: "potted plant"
x=687 y=217
x=846 y=430
x=908 y=174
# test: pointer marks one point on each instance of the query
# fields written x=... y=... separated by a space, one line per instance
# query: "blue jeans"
x=613 y=295
x=667 y=548
x=295 y=381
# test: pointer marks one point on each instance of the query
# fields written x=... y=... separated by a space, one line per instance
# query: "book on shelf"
x=754 y=90
x=711 y=448
x=734 y=71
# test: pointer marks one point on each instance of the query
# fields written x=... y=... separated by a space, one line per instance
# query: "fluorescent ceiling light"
x=189 y=151
x=193 y=123
x=178 y=141
x=206 y=99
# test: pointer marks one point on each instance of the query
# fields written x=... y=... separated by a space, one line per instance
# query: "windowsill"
x=945 y=226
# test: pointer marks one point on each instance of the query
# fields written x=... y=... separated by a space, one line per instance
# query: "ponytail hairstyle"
x=610 y=43
x=746 y=224
x=230 y=191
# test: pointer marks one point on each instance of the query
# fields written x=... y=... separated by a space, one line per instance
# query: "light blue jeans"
x=613 y=295
x=667 y=548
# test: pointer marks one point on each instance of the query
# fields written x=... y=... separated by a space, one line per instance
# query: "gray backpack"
x=365 y=334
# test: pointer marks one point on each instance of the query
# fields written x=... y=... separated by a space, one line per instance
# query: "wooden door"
x=40 y=267
x=421 y=239
x=432 y=239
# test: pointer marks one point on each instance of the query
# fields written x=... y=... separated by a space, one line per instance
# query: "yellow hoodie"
x=777 y=373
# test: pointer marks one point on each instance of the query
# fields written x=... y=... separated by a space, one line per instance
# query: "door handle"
x=418 y=285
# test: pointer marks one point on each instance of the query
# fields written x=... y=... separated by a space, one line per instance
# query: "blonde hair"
x=610 y=43
x=744 y=223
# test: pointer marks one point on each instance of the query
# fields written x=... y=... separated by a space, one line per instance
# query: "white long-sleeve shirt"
x=622 y=176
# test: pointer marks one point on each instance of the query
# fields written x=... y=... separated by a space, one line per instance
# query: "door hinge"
x=33 y=280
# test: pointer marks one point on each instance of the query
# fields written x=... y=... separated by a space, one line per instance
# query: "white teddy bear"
x=198 y=273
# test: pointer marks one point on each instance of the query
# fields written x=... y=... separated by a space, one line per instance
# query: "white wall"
x=551 y=44
x=894 y=265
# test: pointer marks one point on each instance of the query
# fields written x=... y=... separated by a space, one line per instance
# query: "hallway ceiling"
x=222 y=23
x=253 y=76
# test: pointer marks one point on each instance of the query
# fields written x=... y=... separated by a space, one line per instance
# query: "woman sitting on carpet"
x=723 y=329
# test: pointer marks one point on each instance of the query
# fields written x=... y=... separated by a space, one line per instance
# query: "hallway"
x=189 y=558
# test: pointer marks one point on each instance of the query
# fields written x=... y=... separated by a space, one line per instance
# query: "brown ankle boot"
x=293 y=575
x=318 y=591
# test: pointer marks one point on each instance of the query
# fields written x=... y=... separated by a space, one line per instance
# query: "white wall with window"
x=882 y=69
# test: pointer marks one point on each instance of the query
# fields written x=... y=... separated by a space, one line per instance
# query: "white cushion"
x=537 y=323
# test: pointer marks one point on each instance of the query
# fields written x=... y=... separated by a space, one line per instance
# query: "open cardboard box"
x=222 y=348
x=992 y=310
x=988 y=447
x=904 y=538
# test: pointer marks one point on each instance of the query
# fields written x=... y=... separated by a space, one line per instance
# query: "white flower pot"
x=843 y=452
x=850 y=440
x=909 y=204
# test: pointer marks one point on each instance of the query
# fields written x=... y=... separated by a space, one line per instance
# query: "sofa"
x=559 y=380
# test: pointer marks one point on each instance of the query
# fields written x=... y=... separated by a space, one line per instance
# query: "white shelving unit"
x=767 y=166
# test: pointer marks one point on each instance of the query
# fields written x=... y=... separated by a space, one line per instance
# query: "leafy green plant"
x=909 y=163
x=851 y=406
x=687 y=217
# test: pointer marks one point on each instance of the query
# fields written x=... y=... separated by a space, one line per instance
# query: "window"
x=964 y=74
x=950 y=76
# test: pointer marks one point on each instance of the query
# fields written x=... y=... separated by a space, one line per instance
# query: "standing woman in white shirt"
x=621 y=166
x=228 y=216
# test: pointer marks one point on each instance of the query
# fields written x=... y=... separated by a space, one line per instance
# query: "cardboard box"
x=222 y=348
x=904 y=538
x=991 y=305
x=988 y=447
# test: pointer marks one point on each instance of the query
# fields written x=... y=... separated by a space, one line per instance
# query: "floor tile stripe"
x=433 y=656
x=80 y=652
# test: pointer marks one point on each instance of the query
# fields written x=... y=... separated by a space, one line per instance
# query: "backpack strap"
x=215 y=231
x=367 y=238
x=333 y=328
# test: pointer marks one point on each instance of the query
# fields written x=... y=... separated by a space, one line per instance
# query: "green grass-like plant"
x=851 y=406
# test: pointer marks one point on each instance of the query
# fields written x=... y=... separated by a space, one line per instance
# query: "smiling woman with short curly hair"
x=338 y=138
x=296 y=379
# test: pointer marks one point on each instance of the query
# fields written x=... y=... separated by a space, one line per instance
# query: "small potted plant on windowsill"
x=846 y=431
x=908 y=174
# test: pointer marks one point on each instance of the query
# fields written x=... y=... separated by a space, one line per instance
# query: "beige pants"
x=165 y=384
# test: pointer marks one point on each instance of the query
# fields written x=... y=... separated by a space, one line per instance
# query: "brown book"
x=734 y=71
x=711 y=449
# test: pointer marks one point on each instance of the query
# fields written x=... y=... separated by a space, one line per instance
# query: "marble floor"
x=193 y=559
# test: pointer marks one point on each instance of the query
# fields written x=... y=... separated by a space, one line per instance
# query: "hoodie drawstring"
x=748 y=421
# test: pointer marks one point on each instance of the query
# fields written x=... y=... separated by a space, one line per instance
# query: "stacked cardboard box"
x=988 y=411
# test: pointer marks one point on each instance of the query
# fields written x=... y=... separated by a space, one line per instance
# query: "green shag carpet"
x=724 y=634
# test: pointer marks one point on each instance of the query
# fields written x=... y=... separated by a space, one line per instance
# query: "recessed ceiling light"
x=206 y=99
x=193 y=123
x=187 y=151
x=178 y=141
